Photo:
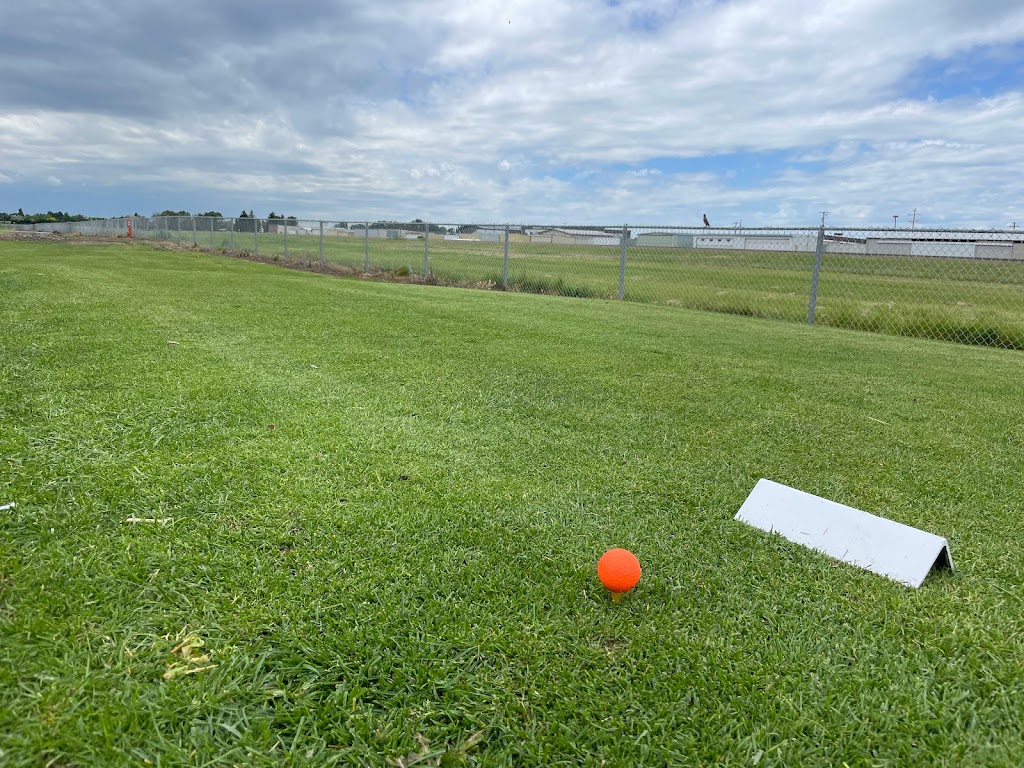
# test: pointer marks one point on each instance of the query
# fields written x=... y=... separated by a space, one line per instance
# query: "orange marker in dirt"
x=619 y=571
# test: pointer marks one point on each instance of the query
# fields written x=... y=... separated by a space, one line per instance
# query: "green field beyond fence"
x=957 y=299
x=257 y=516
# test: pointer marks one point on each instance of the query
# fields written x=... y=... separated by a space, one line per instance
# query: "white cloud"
x=563 y=108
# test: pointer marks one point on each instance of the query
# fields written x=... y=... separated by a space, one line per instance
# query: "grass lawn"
x=369 y=517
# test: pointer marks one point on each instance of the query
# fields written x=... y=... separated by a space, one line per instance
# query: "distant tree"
x=169 y=212
x=416 y=225
x=212 y=214
x=247 y=222
x=291 y=221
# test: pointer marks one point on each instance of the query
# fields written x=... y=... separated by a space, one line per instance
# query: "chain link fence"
x=963 y=286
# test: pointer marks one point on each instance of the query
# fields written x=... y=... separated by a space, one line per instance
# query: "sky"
x=765 y=112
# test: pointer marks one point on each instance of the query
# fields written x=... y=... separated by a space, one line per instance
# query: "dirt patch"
x=73 y=238
x=31 y=236
x=77 y=239
x=614 y=647
x=308 y=265
x=170 y=245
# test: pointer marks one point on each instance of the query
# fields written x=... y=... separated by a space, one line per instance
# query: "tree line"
x=42 y=218
x=209 y=214
x=416 y=225
x=246 y=221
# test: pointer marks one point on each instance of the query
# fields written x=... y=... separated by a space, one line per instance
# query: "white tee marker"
x=894 y=550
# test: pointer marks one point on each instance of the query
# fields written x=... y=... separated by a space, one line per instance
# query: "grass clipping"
x=439 y=757
x=190 y=661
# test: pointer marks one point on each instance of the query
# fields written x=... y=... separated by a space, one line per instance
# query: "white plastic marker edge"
x=885 y=547
x=5 y=507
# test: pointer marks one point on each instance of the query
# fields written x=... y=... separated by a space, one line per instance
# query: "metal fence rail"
x=965 y=286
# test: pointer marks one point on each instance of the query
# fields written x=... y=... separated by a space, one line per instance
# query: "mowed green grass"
x=384 y=506
x=955 y=299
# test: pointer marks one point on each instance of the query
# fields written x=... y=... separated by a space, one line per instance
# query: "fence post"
x=194 y=241
x=366 y=246
x=213 y=240
x=622 y=263
x=231 y=229
x=504 y=266
x=256 y=236
x=178 y=219
x=285 y=238
x=818 y=249
x=322 y=262
x=426 y=249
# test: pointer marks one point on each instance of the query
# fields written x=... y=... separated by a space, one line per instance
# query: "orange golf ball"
x=618 y=570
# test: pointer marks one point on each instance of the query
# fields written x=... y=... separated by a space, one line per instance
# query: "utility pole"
x=894 y=221
x=913 y=219
x=823 y=215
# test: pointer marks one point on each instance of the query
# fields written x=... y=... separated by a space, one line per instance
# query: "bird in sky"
x=706 y=222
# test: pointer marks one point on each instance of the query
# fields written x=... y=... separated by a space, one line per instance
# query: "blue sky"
x=981 y=71
x=539 y=111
